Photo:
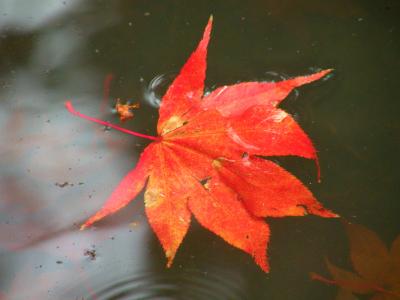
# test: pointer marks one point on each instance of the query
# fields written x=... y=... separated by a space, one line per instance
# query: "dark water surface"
x=56 y=170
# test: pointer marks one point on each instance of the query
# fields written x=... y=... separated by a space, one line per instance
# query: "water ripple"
x=157 y=87
x=187 y=284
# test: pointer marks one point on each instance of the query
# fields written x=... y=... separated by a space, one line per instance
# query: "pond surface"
x=56 y=170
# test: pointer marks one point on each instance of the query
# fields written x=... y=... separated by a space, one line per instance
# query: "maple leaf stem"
x=315 y=276
x=72 y=110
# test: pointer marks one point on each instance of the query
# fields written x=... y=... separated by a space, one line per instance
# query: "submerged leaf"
x=349 y=280
x=368 y=253
x=377 y=269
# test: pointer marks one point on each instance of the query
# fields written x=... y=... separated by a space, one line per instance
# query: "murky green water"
x=56 y=170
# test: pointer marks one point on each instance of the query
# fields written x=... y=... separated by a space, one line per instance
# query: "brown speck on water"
x=90 y=253
x=61 y=185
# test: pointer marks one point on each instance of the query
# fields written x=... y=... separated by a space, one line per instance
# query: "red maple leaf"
x=205 y=161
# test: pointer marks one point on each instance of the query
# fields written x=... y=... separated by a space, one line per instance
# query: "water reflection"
x=43 y=148
x=57 y=265
x=20 y=15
